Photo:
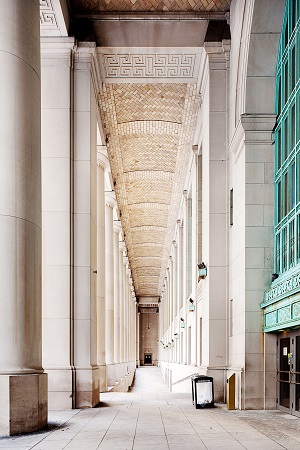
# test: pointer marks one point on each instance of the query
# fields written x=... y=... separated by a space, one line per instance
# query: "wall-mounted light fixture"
x=191 y=305
x=176 y=335
x=182 y=323
x=202 y=271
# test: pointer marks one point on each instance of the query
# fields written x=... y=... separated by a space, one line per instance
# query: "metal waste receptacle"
x=203 y=391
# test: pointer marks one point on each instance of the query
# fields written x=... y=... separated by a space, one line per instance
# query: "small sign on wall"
x=284 y=351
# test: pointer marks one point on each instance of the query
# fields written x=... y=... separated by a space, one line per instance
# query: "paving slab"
x=150 y=417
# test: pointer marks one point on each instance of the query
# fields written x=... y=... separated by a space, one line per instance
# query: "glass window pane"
x=279 y=202
x=284 y=249
x=298 y=234
x=293 y=185
x=293 y=68
x=278 y=165
x=278 y=253
x=285 y=131
x=279 y=97
x=292 y=243
x=286 y=82
x=293 y=126
x=285 y=200
x=297 y=182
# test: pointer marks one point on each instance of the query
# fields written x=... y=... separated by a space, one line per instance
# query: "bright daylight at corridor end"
x=150 y=224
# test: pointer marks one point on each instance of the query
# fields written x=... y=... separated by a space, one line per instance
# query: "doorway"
x=148 y=359
x=288 y=372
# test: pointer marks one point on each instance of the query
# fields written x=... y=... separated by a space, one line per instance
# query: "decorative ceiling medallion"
x=118 y=65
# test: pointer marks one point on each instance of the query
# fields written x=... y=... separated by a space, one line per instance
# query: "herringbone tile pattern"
x=150 y=127
x=151 y=5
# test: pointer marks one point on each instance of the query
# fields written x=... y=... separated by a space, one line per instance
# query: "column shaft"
x=109 y=291
x=102 y=165
x=85 y=231
x=23 y=386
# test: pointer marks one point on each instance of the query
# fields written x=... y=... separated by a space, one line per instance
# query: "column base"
x=87 y=387
x=111 y=374
x=60 y=388
x=118 y=371
x=23 y=407
x=103 y=383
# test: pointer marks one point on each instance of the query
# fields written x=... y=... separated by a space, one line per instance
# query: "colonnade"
x=67 y=322
x=192 y=310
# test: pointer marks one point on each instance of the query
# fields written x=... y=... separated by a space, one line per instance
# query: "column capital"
x=217 y=53
x=117 y=226
x=110 y=200
x=85 y=52
x=258 y=122
x=102 y=159
x=57 y=48
x=122 y=246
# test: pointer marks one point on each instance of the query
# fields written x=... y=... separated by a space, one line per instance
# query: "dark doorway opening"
x=148 y=359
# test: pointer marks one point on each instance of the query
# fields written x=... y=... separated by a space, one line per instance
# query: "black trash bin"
x=203 y=391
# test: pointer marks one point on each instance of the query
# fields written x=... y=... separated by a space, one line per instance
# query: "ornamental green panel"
x=278 y=314
x=287 y=142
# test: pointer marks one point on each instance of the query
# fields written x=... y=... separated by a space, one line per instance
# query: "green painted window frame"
x=287 y=143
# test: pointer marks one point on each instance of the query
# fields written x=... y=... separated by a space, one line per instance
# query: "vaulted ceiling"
x=149 y=106
x=150 y=129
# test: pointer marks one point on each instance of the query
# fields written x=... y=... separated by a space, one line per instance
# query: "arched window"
x=287 y=142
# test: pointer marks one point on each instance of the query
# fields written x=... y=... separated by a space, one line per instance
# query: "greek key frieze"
x=149 y=65
x=47 y=14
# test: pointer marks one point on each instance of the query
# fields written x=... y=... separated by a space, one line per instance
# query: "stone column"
x=103 y=165
x=258 y=206
x=84 y=344
x=110 y=204
x=23 y=385
x=127 y=353
x=214 y=223
x=121 y=291
x=125 y=260
x=137 y=347
x=57 y=232
x=117 y=335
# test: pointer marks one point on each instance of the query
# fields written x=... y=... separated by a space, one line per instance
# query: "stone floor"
x=150 y=417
